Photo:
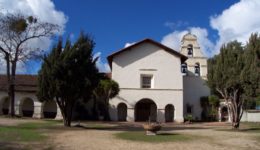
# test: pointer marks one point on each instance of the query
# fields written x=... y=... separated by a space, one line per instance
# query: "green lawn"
x=24 y=132
x=161 y=137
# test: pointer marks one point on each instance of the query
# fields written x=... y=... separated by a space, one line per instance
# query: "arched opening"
x=5 y=104
x=49 y=109
x=184 y=68
x=121 y=112
x=27 y=107
x=169 y=113
x=197 y=69
x=145 y=110
x=224 y=114
x=190 y=50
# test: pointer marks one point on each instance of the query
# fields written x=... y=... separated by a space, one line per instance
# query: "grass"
x=247 y=127
x=161 y=137
x=25 y=132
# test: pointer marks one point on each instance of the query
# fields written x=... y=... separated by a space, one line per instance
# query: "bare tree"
x=16 y=32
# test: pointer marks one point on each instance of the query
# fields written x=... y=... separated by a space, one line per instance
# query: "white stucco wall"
x=127 y=67
x=167 y=87
x=194 y=89
x=251 y=116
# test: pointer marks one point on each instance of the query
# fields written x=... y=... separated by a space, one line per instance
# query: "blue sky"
x=114 y=23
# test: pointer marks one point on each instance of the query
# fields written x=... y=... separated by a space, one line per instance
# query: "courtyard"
x=51 y=134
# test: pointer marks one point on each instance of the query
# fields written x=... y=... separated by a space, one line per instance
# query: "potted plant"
x=188 y=118
x=152 y=128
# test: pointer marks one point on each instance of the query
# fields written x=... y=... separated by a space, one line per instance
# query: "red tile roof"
x=23 y=83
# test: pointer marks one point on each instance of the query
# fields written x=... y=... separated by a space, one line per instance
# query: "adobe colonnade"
x=30 y=107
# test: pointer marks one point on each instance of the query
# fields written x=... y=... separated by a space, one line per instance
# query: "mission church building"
x=158 y=83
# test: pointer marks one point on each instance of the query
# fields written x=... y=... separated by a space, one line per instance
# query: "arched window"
x=190 y=50
x=121 y=112
x=184 y=68
x=169 y=113
x=197 y=69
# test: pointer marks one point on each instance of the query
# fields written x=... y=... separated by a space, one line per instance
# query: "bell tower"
x=196 y=64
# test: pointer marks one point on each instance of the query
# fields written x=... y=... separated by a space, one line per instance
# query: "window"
x=184 y=68
x=190 y=50
x=146 y=81
x=189 y=109
x=197 y=69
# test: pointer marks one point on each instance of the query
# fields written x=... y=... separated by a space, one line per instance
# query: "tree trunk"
x=62 y=107
x=12 y=88
x=7 y=59
x=236 y=109
x=95 y=109
x=69 y=111
x=234 y=102
x=106 y=111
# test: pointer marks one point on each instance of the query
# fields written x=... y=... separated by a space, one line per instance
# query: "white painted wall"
x=194 y=89
x=150 y=59
x=251 y=116
x=127 y=67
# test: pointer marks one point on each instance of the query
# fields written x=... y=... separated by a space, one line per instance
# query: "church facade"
x=158 y=83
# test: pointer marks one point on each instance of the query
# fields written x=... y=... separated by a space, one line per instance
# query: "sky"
x=115 y=24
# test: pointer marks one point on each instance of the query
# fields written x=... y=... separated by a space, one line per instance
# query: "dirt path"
x=104 y=139
x=102 y=136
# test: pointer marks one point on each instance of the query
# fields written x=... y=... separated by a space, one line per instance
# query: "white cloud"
x=102 y=67
x=43 y=9
x=178 y=24
x=173 y=40
x=237 y=22
x=129 y=44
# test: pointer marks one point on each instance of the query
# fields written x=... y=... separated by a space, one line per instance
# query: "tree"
x=251 y=71
x=224 y=76
x=209 y=106
x=16 y=31
x=68 y=75
x=214 y=104
x=106 y=90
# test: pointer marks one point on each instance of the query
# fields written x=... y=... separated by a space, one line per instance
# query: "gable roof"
x=167 y=49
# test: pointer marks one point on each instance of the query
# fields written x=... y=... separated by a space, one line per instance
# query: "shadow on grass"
x=9 y=146
x=139 y=136
x=247 y=127
x=118 y=126
x=247 y=130
x=167 y=134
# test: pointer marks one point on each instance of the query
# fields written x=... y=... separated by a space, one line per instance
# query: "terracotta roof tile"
x=23 y=83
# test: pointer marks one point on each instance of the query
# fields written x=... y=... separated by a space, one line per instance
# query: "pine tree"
x=69 y=75
x=251 y=71
x=224 y=76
